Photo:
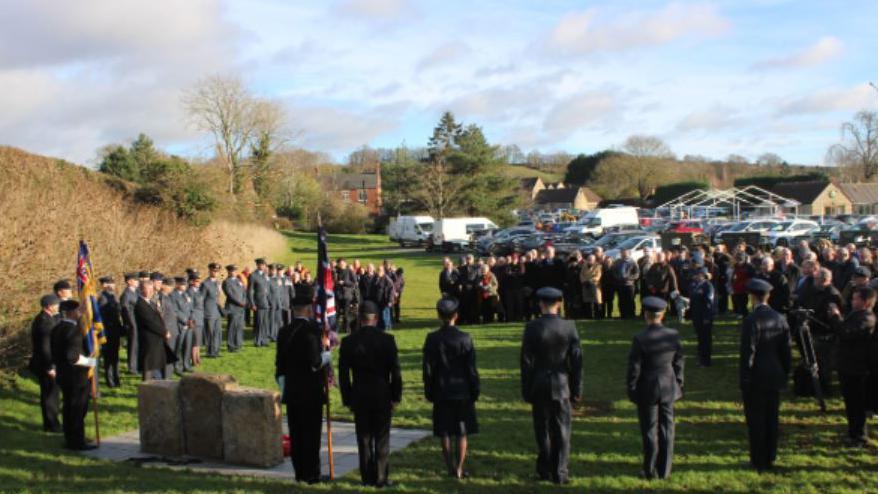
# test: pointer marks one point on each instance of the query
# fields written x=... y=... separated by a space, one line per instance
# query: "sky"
x=710 y=78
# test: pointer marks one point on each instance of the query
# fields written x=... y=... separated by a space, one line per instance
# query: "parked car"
x=783 y=233
x=490 y=245
x=685 y=226
x=572 y=242
x=611 y=240
x=599 y=220
x=636 y=246
x=746 y=226
x=456 y=234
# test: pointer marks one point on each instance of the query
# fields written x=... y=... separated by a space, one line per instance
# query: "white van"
x=410 y=230
x=598 y=220
x=456 y=233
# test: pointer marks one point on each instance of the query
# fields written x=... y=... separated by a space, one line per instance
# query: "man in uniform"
x=152 y=332
x=702 y=310
x=196 y=295
x=236 y=305
x=345 y=283
x=654 y=383
x=299 y=370
x=551 y=377
x=72 y=366
x=165 y=305
x=63 y=290
x=275 y=299
x=371 y=356
x=182 y=304
x=289 y=294
x=259 y=298
x=41 y=363
x=111 y=315
x=126 y=305
x=765 y=364
x=210 y=288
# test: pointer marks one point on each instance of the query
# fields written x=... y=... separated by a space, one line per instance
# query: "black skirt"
x=454 y=418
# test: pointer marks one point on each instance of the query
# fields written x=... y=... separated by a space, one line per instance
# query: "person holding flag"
x=91 y=325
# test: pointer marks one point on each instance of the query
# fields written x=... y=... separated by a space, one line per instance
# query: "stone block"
x=201 y=398
x=161 y=426
x=252 y=427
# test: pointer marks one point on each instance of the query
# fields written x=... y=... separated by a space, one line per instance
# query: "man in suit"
x=111 y=315
x=69 y=350
x=345 y=282
x=551 y=378
x=371 y=386
x=702 y=310
x=449 y=280
x=299 y=369
x=41 y=363
x=765 y=361
x=451 y=384
x=152 y=332
x=654 y=383
x=236 y=306
x=165 y=304
x=182 y=304
x=259 y=298
x=213 y=335
x=126 y=306
x=625 y=274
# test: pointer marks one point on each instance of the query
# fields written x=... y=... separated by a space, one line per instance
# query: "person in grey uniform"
x=197 y=297
x=213 y=336
x=236 y=304
x=289 y=294
x=259 y=299
x=127 y=300
x=182 y=304
x=275 y=299
x=162 y=300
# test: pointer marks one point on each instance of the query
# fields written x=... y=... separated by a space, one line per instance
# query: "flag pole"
x=326 y=384
x=94 y=396
x=94 y=370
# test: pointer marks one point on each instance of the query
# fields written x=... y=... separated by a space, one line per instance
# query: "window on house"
x=346 y=195
x=362 y=196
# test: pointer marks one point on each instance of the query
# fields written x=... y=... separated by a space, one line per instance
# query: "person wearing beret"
x=127 y=300
x=451 y=384
x=702 y=309
x=210 y=289
x=196 y=294
x=69 y=354
x=236 y=307
x=765 y=361
x=551 y=378
x=259 y=299
x=182 y=306
x=654 y=384
x=370 y=381
x=299 y=371
x=41 y=363
x=111 y=315
x=63 y=290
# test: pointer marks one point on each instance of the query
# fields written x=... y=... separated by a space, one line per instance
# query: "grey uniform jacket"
x=236 y=297
x=183 y=307
x=258 y=290
x=210 y=292
x=197 y=297
x=127 y=301
x=551 y=360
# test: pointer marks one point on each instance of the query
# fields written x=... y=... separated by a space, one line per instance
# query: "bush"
x=769 y=181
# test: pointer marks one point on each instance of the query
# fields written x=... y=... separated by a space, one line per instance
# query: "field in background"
x=519 y=171
x=711 y=448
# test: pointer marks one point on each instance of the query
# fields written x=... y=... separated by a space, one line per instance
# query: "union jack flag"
x=324 y=302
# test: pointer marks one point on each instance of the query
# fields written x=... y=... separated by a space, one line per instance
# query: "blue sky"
x=710 y=78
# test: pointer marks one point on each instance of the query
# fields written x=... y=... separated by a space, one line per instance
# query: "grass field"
x=711 y=447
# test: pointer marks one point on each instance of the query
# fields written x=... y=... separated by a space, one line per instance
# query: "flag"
x=324 y=302
x=92 y=324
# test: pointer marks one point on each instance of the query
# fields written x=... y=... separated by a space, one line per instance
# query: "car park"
x=783 y=233
x=637 y=247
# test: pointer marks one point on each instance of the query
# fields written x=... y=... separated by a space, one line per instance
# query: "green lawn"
x=711 y=438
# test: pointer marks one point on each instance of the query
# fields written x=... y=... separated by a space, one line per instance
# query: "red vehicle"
x=687 y=226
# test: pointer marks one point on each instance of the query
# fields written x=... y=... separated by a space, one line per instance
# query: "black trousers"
x=704 y=334
x=236 y=330
x=608 y=292
x=183 y=350
x=513 y=303
x=110 y=359
x=872 y=392
x=657 y=433
x=761 y=410
x=133 y=348
x=373 y=445
x=739 y=304
x=262 y=327
x=397 y=313
x=50 y=394
x=824 y=350
x=74 y=409
x=214 y=334
x=627 y=308
x=854 y=391
x=343 y=308
x=305 y=421
x=722 y=299
x=551 y=419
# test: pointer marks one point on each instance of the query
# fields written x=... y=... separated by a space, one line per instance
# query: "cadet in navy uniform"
x=111 y=315
x=275 y=299
x=42 y=364
x=72 y=366
x=655 y=382
x=451 y=384
x=259 y=298
x=182 y=304
x=371 y=356
x=236 y=305
x=213 y=335
x=196 y=295
x=127 y=301
x=299 y=363
x=764 y=368
x=702 y=310
x=551 y=377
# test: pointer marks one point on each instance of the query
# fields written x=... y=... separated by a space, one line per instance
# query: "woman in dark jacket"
x=451 y=383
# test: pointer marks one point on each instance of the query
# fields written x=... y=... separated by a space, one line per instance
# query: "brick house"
x=364 y=188
x=580 y=198
x=817 y=197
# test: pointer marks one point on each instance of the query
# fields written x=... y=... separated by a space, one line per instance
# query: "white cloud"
x=580 y=111
x=587 y=32
x=824 y=50
x=836 y=99
x=716 y=118
x=374 y=9
x=444 y=54
x=334 y=130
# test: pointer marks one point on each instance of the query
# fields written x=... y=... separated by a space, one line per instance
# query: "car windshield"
x=630 y=243
x=593 y=222
x=780 y=227
x=426 y=227
x=737 y=227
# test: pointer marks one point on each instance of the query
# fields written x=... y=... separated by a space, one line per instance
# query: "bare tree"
x=439 y=189
x=769 y=159
x=859 y=145
x=642 y=146
x=737 y=159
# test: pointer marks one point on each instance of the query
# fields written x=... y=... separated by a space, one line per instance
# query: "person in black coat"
x=855 y=332
x=111 y=315
x=152 y=332
x=127 y=299
x=654 y=383
x=702 y=310
x=371 y=386
x=299 y=369
x=449 y=280
x=551 y=378
x=780 y=298
x=820 y=296
x=41 y=363
x=451 y=384
x=765 y=361
x=625 y=274
x=469 y=274
x=345 y=284
x=69 y=350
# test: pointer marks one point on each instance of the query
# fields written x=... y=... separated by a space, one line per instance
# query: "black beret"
x=304 y=296
x=179 y=280
x=106 y=279
x=369 y=307
x=549 y=294
x=862 y=271
x=213 y=266
x=61 y=285
x=190 y=271
x=143 y=274
x=130 y=276
x=446 y=306
x=654 y=304
x=194 y=276
x=231 y=267
x=157 y=276
x=279 y=266
x=50 y=299
x=69 y=305
x=758 y=286
x=260 y=261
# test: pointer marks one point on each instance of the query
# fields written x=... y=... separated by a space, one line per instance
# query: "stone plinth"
x=252 y=427
x=201 y=397
x=161 y=427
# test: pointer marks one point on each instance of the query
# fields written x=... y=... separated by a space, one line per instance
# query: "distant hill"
x=522 y=171
x=48 y=205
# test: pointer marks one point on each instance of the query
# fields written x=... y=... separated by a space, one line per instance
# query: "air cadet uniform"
x=111 y=316
x=68 y=353
x=197 y=297
x=183 y=307
x=236 y=305
x=127 y=301
x=42 y=364
x=275 y=298
x=702 y=309
x=212 y=329
x=259 y=296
